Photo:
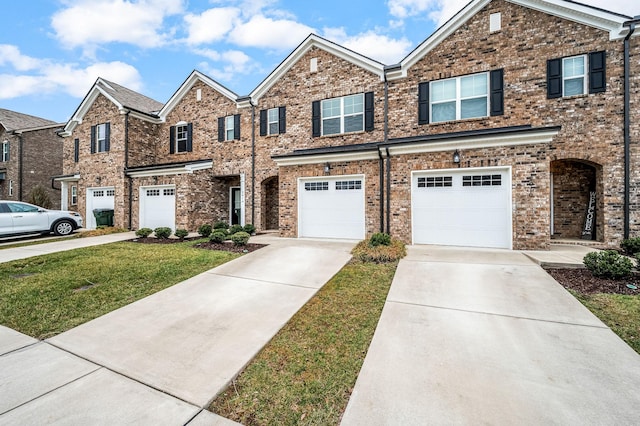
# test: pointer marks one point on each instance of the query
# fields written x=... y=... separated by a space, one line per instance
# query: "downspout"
x=381 y=172
x=388 y=191
x=126 y=167
x=386 y=139
x=253 y=164
x=20 y=165
x=627 y=125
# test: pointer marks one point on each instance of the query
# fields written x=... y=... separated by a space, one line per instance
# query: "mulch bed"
x=583 y=281
x=227 y=246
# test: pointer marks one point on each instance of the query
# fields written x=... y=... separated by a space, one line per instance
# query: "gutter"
x=388 y=191
x=126 y=167
x=253 y=163
x=20 y=165
x=627 y=125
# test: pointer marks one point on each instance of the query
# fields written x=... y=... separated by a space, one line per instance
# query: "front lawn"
x=45 y=295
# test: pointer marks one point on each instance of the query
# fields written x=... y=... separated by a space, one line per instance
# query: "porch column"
x=64 y=194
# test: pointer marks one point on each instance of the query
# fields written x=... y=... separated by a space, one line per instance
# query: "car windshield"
x=20 y=208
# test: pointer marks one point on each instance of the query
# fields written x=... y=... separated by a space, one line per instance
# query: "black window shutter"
x=236 y=127
x=220 y=129
x=263 y=122
x=315 y=118
x=597 y=72
x=368 y=112
x=496 y=82
x=423 y=103
x=282 y=120
x=107 y=136
x=76 y=150
x=554 y=78
x=93 y=139
x=172 y=140
x=189 y=137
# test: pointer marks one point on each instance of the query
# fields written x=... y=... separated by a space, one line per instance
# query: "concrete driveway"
x=487 y=337
x=162 y=359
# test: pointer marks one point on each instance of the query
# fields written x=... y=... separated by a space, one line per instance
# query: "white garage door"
x=98 y=198
x=331 y=207
x=158 y=206
x=469 y=207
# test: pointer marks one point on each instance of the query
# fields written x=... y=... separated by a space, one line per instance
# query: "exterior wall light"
x=327 y=168
x=456 y=157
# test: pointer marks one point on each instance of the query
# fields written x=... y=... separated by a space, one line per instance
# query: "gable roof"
x=125 y=99
x=595 y=17
x=311 y=41
x=12 y=120
x=194 y=77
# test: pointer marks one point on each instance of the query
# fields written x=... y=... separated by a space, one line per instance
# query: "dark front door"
x=236 y=207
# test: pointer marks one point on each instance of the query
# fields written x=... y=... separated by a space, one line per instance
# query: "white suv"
x=23 y=218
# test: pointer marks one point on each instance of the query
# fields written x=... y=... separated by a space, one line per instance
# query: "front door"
x=235 y=206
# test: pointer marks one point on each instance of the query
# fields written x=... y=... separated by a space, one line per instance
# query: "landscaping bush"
x=608 y=264
x=631 y=246
x=144 y=232
x=40 y=197
x=218 y=236
x=240 y=238
x=221 y=225
x=205 y=230
x=249 y=228
x=235 y=229
x=181 y=233
x=162 y=232
x=366 y=252
x=380 y=239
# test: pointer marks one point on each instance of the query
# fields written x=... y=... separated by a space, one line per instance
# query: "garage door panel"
x=157 y=207
x=98 y=198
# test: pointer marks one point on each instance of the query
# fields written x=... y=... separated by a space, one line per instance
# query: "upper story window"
x=576 y=75
x=458 y=98
x=229 y=128
x=353 y=113
x=5 y=151
x=273 y=121
x=100 y=135
x=181 y=137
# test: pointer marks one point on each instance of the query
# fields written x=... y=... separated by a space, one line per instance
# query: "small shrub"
x=162 y=232
x=631 y=246
x=221 y=225
x=205 y=230
x=181 y=233
x=240 y=238
x=608 y=264
x=144 y=232
x=249 y=228
x=236 y=228
x=218 y=237
x=40 y=197
x=380 y=239
x=365 y=252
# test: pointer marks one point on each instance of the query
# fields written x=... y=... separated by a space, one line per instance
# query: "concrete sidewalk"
x=170 y=353
x=473 y=336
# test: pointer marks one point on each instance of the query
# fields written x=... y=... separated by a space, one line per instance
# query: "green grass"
x=619 y=312
x=305 y=375
x=38 y=241
x=46 y=295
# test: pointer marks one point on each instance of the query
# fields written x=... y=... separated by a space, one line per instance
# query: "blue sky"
x=52 y=51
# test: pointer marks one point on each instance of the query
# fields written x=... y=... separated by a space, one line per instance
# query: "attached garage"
x=98 y=198
x=331 y=207
x=469 y=207
x=158 y=206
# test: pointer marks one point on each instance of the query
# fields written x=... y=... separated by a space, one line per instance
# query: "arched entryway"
x=270 y=203
x=576 y=199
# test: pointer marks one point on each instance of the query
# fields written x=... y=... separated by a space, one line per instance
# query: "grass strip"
x=46 y=295
x=306 y=374
x=621 y=313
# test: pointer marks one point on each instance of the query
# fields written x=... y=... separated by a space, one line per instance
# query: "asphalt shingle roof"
x=129 y=98
x=12 y=120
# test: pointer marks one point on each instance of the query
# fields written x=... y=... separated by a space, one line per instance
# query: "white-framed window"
x=228 y=128
x=168 y=191
x=11 y=188
x=101 y=137
x=5 y=151
x=435 y=182
x=316 y=186
x=182 y=135
x=273 y=126
x=459 y=98
x=345 y=185
x=153 y=192
x=343 y=115
x=574 y=75
x=482 y=180
x=111 y=192
x=74 y=195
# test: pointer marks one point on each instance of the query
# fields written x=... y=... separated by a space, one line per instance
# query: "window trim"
x=6 y=150
x=11 y=188
x=74 y=195
x=270 y=121
x=342 y=115
x=184 y=127
x=458 y=97
x=101 y=143
x=584 y=76
x=229 y=119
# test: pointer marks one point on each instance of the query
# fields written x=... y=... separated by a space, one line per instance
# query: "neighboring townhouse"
x=513 y=124
x=31 y=154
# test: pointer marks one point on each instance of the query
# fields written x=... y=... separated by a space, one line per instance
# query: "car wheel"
x=64 y=227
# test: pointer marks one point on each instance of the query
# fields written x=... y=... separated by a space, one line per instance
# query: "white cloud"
x=10 y=55
x=211 y=25
x=275 y=34
x=375 y=46
x=89 y=23
x=234 y=63
x=77 y=81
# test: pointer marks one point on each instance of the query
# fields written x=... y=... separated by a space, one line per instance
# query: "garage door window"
x=316 y=186
x=99 y=193
x=345 y=185
x=435 y=182
x=153 y=192
x=169 y=191
x=111 y=192
x=482 y=180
